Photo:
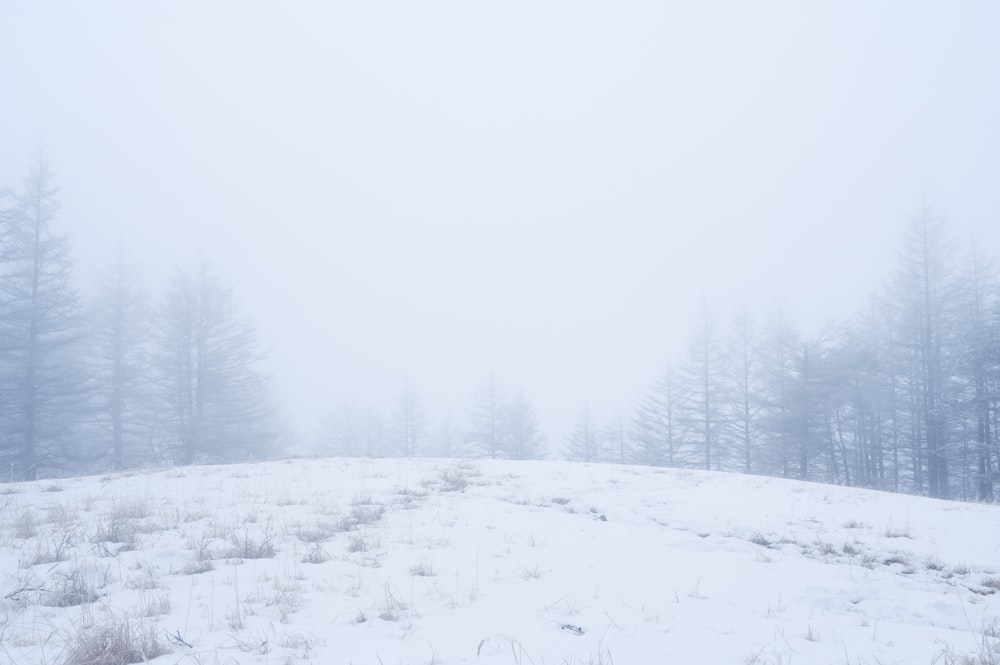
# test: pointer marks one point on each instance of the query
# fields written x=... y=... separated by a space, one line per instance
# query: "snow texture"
x=433 y=561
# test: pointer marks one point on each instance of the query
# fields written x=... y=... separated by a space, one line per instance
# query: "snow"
x=438 y=561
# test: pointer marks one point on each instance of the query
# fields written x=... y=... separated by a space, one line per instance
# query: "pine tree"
x=524 y=438
x=654 y=430
x=42 y=389
x=486 y=432
x=409 y=422
x=119 y=364
x=218 y=401
x=584 y=443
x=340 y=433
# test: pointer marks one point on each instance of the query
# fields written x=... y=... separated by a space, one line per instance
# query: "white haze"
x=547 y=190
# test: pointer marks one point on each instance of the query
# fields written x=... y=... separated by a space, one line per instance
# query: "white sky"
x=549 y=190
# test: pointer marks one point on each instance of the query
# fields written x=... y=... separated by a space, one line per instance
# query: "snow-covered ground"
x=398 y=561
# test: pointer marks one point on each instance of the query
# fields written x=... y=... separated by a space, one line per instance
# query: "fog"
x=550 y=191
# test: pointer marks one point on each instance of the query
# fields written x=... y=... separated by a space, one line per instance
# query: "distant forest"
x=116 y=380
x=905 y=396
x=902 y=397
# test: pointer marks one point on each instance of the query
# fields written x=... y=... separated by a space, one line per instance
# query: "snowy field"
x=388 y=562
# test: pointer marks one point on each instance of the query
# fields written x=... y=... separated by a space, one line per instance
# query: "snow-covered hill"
x=395 y=561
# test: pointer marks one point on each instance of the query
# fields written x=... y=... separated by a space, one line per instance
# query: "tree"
x=703 y=393
x=978 y=361
x=524 y=439
x=218 y=403
x=922 y=291
x=778 y=370
x=486 y=433
x=584 y=443
x=340 y=433
x=743 y=406
x=409 y=421
x=41 y=388
x=654 y=427
x=119 y=364
x=446 y=441
x=616 y=438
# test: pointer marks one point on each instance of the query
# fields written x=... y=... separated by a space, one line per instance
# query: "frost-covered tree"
x=42 y=390
x=341 y=432
x=119 y=363
x=409 y=422
x=218 y=403
x=616 y=438
x=486 y=432
x=923 y=294
x=584 y=442
x=524 y=438
x=742 y=406
x=701 y=378
x=654 y=431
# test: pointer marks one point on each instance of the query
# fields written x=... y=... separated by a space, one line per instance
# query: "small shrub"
x=320 y=533
x=855 y=524
x=198 y=567
x=118 y=531
x=73 y=589
x=316 y=554
x=26 y=525
x=200 y=547
x=60 y=515
x=531 y=573
x=408 y=495
x=991 y=582
x=897 y=557
x=52 y=550
x=131 y=508
x=361 y=542
x=156 y=606
x=825 y=548
x=934 y=563
x=25 y=590
x=287 y=597
x=250 y=547
x=849 y=549
x=423 y=569
x=116 y=641
x=362 y=499
x=146 y=582
x=392 y=608
x=453 y=480
x=759 y=539
x=895 y=532
x=362 y=515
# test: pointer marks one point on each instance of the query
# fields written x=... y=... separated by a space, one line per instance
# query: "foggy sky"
x=548 y=190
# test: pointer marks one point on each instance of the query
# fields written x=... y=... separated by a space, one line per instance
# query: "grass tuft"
x=116 y=641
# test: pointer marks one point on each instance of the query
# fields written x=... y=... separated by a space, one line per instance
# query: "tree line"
x=498 y=424
x=905 y=396
x=117 y=379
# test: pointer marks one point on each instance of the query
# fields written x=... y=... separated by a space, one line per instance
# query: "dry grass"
x=116 y=641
